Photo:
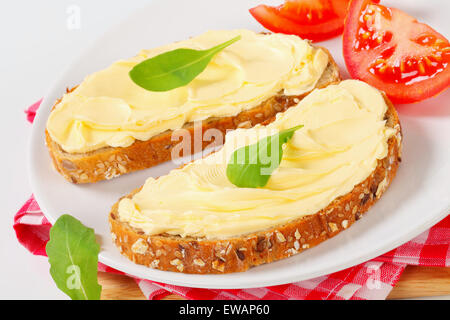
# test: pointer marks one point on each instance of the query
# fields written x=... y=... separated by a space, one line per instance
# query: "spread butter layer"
x=343 y=137
x=109 y=109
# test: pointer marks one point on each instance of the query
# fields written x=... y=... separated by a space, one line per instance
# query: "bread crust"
x=237 y=254
x=109 y=162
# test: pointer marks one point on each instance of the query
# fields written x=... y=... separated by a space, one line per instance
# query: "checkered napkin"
x=370 y=280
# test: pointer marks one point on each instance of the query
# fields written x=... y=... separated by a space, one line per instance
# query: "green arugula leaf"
x=175 y=68
x=251 y=166
x=73 y=255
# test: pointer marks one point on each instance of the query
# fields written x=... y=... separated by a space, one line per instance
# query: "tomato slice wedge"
x=316 y=20
x=392 y=51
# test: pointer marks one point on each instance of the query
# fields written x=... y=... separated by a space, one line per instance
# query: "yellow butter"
x=108 y=109
x=344 y=135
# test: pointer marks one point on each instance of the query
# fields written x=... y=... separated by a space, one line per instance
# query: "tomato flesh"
x=394 y=52
x=316 y=20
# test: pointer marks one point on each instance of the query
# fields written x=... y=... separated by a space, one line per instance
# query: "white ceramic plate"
x=418 y=197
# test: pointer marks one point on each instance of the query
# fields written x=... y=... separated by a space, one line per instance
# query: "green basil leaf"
x=73 y=255
x=175 y=68
x=251 y=166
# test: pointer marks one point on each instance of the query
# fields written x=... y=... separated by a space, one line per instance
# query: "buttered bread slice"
x=194 y=220
x=108 y=125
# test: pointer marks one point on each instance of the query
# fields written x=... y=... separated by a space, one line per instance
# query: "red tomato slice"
x=392 y=51
x=310 y=19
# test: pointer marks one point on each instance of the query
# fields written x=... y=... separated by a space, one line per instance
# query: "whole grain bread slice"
x=201 y=256
x=109 y=162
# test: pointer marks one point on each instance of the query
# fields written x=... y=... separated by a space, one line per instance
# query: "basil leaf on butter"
x=251 y=166
x=175 y=68
x=73 y=255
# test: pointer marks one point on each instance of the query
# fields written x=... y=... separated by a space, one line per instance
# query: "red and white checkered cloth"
x=370 y=280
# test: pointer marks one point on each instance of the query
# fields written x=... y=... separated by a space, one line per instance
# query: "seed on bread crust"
x=381 y=187
x=140 y=247
x=218 y=265
x=245 y=125
x=199 y=262
x=344 y=224
x=261 y=244
x=178 y=264
x=333 y=226
x=229 y=248
x=291 y=252
x=69 y=165
x=280 y=236
x=240 y=254
x=121 y=168
x=154 y=264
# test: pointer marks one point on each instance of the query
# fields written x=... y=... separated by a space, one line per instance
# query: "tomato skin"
x=271 y=19
x=282 y=19
x=358 y=61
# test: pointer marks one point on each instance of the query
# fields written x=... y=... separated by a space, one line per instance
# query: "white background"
x=36 y=45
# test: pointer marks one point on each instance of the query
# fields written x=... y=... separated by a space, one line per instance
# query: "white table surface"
x=36 y=45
